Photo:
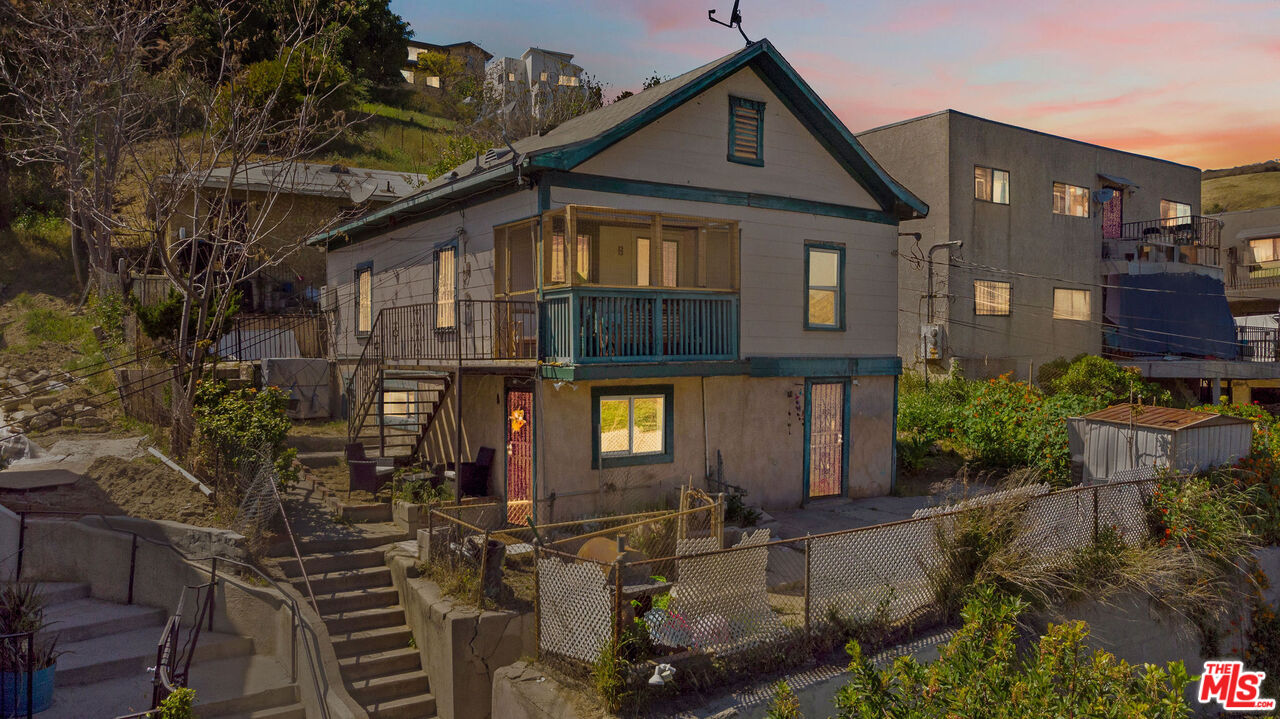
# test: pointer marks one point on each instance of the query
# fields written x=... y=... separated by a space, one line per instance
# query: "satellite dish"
x=1104 y=195
x=363 y=191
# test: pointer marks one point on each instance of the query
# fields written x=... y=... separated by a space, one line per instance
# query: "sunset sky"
x=1194 y=82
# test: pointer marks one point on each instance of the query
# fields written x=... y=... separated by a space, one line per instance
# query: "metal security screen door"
x=1113 y=216
x=519 y=455
x=826 y=439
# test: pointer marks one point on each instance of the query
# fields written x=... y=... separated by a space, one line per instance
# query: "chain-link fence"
x=736 y=593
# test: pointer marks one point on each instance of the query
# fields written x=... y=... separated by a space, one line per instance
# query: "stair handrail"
x=360 y=394
x=213 y=559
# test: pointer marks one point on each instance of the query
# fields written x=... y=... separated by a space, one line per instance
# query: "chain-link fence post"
x=617 y=605
x=807 y=622
x=484 y=569
x=1095 y=513
x=537 y=601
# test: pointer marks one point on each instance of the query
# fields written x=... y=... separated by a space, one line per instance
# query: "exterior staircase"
x=108 y=648
x=345 y=565
x=397 y=409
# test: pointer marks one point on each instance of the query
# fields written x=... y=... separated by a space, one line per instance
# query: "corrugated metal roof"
x=1159 y=417
x=305 y=178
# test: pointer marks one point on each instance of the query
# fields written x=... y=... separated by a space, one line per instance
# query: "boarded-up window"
x=1070 y=200
x=364 y=300
x=991 y=298
x=746 y=131
x=824 y=273
x=446 y=271
x=1069 y=304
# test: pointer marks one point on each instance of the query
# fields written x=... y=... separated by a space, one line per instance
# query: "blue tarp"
x=1167 y=313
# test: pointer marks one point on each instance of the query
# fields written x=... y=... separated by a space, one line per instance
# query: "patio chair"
x=473 y=477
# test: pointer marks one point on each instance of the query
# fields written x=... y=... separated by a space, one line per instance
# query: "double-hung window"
x=632 y=425
x=824 y=286
x=364 y=299
x=991 y=185
x=446 y=274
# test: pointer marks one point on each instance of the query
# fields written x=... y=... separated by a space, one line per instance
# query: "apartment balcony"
x=1259 y=344
x=592 y=325
x=1192 y=241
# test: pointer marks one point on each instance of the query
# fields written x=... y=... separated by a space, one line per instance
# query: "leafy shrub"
x=980 y=674
x=240 y=426
x=932 y=412
x=784 y=704
x=297 y=82
x=178 y=704
x=108 y=312
x=1093 y=376
x=160 y=321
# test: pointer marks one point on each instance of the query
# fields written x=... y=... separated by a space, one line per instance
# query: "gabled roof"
x=577 y=140
x=303 y=178
x=434 y=46
x=1168 y=418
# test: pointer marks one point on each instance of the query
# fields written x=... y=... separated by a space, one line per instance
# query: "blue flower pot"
x=13 y=692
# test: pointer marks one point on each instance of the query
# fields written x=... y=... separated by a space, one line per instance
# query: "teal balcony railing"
x=592 y=325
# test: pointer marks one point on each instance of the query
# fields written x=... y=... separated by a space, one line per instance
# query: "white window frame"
x=1064 y=309
x=1067 y=191
x=631 y=425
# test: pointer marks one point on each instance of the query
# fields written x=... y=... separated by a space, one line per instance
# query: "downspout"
x=893 y=439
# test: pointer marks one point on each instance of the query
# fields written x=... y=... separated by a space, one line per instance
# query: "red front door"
x=519 y=455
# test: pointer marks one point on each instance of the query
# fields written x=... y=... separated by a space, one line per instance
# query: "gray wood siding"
x=689 y=146
x=772 y=264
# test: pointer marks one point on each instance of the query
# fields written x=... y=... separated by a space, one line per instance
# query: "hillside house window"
x=364 y=299
x=824 y=281
x=632 y=426
x=746 y=131
x=446 y=272
x=991 y=185
x=991 y=298
x=1170 y=210
x=1265 y=249
x=568 y=81
x=1069 y=304
x=511 y=77
x=557 y=258
x=1070 y=200
x=543 y=77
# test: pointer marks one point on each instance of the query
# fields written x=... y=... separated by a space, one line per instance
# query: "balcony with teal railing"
x=597 y=325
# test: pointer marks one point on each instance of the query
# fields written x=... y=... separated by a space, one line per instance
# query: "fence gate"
x=825 y=427
x=519 y=455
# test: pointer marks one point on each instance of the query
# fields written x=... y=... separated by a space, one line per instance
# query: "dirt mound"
x=145 y=488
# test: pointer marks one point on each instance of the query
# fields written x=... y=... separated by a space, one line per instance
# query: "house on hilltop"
x=700 y=275
x=472 y=56
x=534 y=80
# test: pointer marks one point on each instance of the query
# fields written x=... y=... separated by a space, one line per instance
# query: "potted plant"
x=22 y=612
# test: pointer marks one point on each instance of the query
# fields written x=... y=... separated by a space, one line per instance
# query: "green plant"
x=21 y=611
x=178 y=704
x=610 y=672
x=160 y=321
x=914 y=452
x=737 y=512
x=108 y=311
x=240 y=426
x=980 y=674
x=1093 y=376
x=784 y=704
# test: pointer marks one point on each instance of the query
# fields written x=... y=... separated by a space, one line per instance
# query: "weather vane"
x=735 y=20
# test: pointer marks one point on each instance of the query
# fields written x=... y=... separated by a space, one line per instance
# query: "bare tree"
x=75 y=75
x=220 y=121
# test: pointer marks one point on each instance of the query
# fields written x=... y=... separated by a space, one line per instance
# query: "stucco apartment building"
x=1061 y=247
x=472 y=56
x=534 y=79
x=698 y=276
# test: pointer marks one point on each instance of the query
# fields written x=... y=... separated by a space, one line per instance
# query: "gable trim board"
x=896 y=202
x=869 y=366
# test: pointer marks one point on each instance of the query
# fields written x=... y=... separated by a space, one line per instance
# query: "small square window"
x=746 y=131
x=1069 y=304
x=1070 y=200
x=632 y=426
x=991 y=185
x=991 y=298
x=824 y=291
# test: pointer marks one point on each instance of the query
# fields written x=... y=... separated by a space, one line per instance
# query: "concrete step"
x=341 y=602
x=81 y=619
x=316 y=460
x=345 y=580
x=371 y=640
x=317 y=564
x=241 y=685
x=411 y=707
x=59 y=592
x=374 y=690
x=317 y=442
x=365 y=513
x=293 y=711
x=364 y=620
x=380 y=664
x=126 y=653
x=350 y=544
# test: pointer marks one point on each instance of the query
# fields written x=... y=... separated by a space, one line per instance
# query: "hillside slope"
x=1240 y=192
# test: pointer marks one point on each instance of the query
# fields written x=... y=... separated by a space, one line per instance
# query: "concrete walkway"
x=833 y=515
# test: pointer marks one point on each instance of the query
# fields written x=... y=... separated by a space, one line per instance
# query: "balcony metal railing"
x=1258 y=344
x=1193 y=239
x=587 y=325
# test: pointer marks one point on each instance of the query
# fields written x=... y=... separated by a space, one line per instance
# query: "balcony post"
x=659 y=348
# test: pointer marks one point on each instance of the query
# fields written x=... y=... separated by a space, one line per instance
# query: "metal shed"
x=1129 y=441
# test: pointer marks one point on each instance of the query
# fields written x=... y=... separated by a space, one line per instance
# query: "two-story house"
x=472 y=56
x=1251 y=263
x=533 y=81
x=700 y=274
x=1050 y=247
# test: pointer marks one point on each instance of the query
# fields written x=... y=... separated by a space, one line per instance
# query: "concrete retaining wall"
x=462 y=648
x=77 y=551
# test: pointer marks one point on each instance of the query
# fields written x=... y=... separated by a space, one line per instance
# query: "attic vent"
x=495 y=154
x=746 y=131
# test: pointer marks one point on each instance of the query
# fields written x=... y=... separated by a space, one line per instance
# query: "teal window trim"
x=839 y=325
x=756 y=106
x=362 y=268
x=667 y=455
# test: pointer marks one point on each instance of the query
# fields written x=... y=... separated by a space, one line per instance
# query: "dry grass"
x=1240 y=192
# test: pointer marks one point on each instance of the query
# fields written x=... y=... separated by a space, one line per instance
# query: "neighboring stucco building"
x=535 y=79
x=1251 y=260
x=703 y=270
x=472 y=56
x=1066 y=248
x=287 y=203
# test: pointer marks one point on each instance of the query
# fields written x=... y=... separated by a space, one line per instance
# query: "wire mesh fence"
x=735 y=593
